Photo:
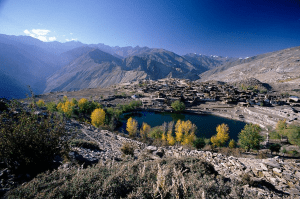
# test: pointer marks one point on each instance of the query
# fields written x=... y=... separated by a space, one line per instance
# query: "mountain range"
x=55 y=66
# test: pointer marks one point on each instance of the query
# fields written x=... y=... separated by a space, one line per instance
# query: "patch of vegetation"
x=127 y=148
x=164 y=178
x=178 y=106
x=249 y=137
x=84 y=144
x=199 y=143
x=30 y=142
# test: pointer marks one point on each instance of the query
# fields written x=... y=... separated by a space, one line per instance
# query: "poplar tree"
x=132 y=127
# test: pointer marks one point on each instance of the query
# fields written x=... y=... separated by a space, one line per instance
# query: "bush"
x=98 y=117
x=275 y=148
x=51 y=106
x=232 y=144
x=178 y=106
x=83 y=105
x=29 y=142
x=40 y=103
x=127 y=148
x=84 y=144
x=199 y=143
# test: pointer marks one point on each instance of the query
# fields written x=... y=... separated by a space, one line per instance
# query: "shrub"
x=275 y=148
x=145 y=131
x=84 y=144
x=156 y=132
x=199 y=143
x=127 y=148
x=40 y=103
x=51 y=106
x=74 y=101
x=98 y=117
x=83 y=105
x=178 y=106
x=66 y=107
x=29 y=142
x=232 y=144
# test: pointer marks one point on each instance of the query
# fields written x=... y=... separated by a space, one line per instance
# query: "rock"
x=297 y=174
x=263 y=166
x=151 y=148
x=159 y=152
x=294 y=191
x=271 y=163
x=81 y=160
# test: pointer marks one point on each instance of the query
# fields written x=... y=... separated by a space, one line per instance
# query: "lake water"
x=206 y=124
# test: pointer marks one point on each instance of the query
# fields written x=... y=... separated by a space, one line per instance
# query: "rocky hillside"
x=276 y=67
x=226 y=176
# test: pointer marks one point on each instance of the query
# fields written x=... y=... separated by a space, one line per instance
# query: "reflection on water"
x=206 y=124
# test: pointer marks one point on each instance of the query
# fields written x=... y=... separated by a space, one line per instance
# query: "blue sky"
x=237 y=28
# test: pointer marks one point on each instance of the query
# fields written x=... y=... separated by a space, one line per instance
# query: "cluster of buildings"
x=163 y=92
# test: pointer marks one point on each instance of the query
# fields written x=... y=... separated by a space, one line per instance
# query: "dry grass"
x=164 y=178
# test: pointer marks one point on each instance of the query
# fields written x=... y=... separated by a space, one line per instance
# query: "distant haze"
x=235 y=28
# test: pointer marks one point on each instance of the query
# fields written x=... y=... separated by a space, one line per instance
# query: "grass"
x=164 y=178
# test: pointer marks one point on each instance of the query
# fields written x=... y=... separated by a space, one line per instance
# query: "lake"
x=206 y=124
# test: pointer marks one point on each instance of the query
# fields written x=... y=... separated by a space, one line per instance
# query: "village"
x=248 y=105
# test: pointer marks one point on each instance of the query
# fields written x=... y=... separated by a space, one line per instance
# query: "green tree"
x=249 y=137
x=178 y=106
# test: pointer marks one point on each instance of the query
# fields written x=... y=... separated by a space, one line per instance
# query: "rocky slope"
x=268 y=178
x=274 y=68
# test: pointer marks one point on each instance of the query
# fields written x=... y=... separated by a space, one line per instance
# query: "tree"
x=185 y=132
x=249 y=137
x=232 y=144
x=170 y=138
x=178 y=106
x=132 y=127
x=145 y=130
x=98 y=117
x=222 y=135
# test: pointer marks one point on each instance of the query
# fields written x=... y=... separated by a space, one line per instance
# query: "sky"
x=234 y=28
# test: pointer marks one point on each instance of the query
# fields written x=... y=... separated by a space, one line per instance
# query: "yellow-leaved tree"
x=132 y=127
x=222 y=135
x=144 y=131
x=170 y=138
x=185 y=132
x=179 y=130
x=98 y=117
